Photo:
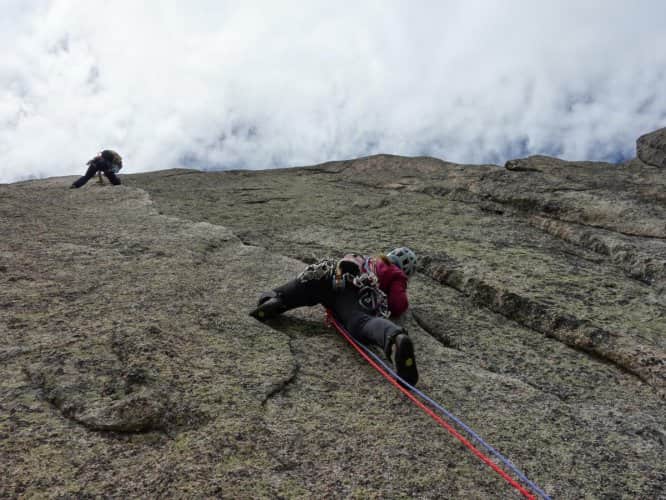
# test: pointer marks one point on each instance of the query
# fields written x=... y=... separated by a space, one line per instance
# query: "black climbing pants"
x=344 y=304
x=90 y=173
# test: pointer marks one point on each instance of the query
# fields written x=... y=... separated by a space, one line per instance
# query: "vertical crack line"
x=283 y=385
x=440 y=337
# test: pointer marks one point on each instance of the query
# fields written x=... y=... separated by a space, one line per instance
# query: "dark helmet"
x=405 y=259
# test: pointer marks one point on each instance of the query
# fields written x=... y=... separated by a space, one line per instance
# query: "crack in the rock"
x=266 y=200
x=526 y=206
x=634 y=265
x=537 y=388
x=580 y=256
x=579 y=334
x=440 y=337
x=567 y=189
x=610 y=230
x=447 y=342
x=624 y=255
x=244 y=238
x=318 y=171
x=283 y=385
x=70 y=410
x=523 y=169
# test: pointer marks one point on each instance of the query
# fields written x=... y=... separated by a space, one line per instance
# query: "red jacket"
x=393 y=282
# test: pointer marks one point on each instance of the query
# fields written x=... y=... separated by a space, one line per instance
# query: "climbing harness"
x=352 y=270
x=411 y=392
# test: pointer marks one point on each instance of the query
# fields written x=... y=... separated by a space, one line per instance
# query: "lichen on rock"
x=130 y=367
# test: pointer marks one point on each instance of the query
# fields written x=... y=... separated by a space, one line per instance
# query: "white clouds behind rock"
x=262 y=84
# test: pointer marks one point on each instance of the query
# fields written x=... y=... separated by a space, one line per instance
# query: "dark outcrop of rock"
x=651 y=148
x=130 y=368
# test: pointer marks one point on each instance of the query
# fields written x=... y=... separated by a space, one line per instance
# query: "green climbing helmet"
x=405 y=259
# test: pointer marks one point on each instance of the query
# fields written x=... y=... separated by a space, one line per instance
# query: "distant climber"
x=108 y=162
x=362 y=292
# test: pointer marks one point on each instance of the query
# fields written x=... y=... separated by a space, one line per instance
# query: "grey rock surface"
x=651 y=148
x=131 y=368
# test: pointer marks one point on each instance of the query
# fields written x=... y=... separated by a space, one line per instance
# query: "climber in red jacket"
x=363 y=293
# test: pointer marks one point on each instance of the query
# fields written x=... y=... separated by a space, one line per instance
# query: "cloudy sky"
x=251 y=84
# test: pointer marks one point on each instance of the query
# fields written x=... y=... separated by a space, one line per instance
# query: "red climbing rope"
x=341 y=330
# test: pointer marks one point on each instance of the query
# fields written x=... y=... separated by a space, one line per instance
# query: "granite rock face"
x=131 y=368
x=651 y=148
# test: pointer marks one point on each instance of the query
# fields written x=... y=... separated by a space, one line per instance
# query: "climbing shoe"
x=404 y=360
x=269 y=305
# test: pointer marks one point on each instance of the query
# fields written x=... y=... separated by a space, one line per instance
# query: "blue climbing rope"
x=442 y=410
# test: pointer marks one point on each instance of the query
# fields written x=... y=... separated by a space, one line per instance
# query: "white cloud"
x=263 y=84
